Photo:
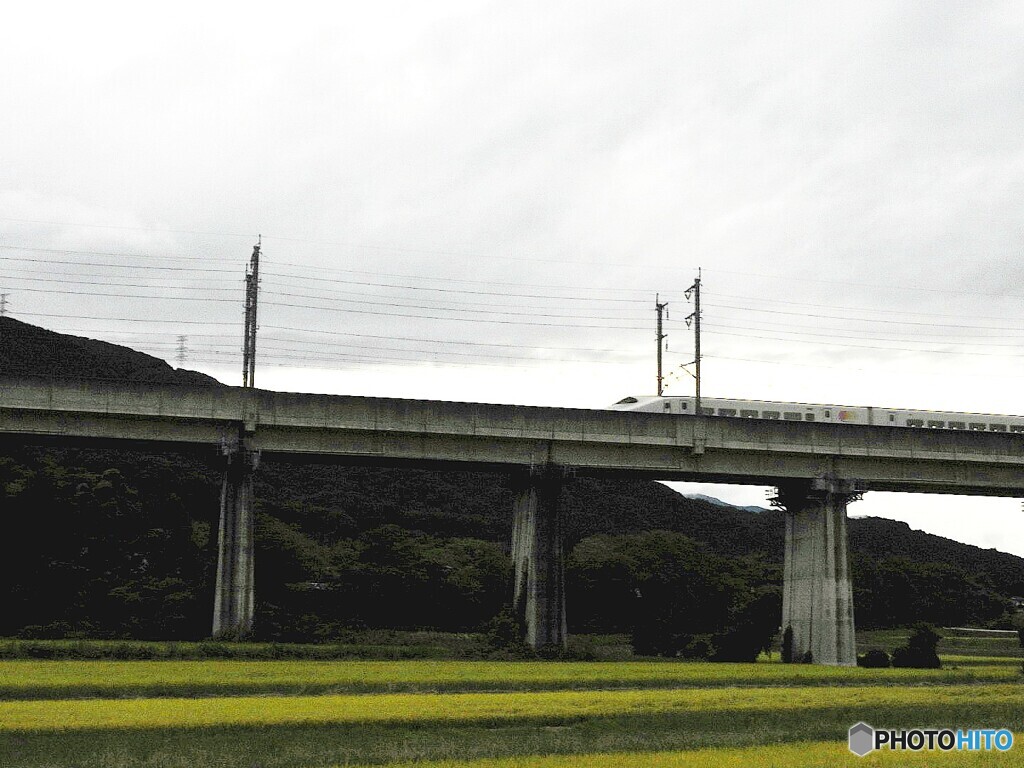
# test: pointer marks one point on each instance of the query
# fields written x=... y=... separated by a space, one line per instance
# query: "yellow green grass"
x=482 y=714
x=21 y=679
x=557 y=706
x=952 y=661
x=800 y=755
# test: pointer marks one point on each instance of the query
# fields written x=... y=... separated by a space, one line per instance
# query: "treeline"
x=674 y=596
x=123 y=545
x=94 y=550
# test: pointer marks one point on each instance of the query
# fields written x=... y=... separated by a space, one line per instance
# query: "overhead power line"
x=124 y=228
x=64 y=281
x=470 y=310
x=117 y=284
x=227 y=342
x=377 y=303
x=317 y=361
x=883 y=321
x=507 y=315
x=434 y=341
x=133 y=267
x=462 y=291
x=66 y=292
x=304 y=274
x=116 y=254
x=877 y=286
x=128 y=319
x=860 y=346
x=391 y=301
x=802 y=331
x=476 y=255
x=450 y=308
x=453 y=319
x=844 y=307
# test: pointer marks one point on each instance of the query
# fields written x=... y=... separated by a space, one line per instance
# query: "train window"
x=977 y=425
x=915 y=422
x=957 y=425
x=683 y=406
x=791 y=416
x=748 y=414
x=808 y=417
x=828 y=415
x=668 y=405
x=626 y=400
x=997 y=427
x=892 y=417
x=726 y=411
x=707 y=411
x=771 y=415
x=936 y=424
x=1017 y=427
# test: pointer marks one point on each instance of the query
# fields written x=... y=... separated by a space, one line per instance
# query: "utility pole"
x=252 y=289
x=694 y=318
x=660 y=336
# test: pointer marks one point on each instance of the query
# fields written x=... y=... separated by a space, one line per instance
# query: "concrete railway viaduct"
x=818 y=468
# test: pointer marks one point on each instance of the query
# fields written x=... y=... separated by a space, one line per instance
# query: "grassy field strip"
x=982 y=661
x=27 y=679
x=559 y=706
x=799 y=755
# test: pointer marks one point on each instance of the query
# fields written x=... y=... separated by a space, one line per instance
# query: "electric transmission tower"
x=182 y=350
x=3 y=304
x=252 y=290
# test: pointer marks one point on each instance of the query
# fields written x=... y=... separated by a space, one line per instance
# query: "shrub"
x=875 y=658
x=698 y=647
x=580 y=649
x=656 y=638
x=504 y=635
x=919 y=652
x=787 y=646
x=752 y=627
x=40 y=650
x=212 y=649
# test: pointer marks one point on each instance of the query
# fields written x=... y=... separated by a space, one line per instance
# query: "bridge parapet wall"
x=480 y=435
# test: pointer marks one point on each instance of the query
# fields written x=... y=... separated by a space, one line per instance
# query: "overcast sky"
x=479 y=201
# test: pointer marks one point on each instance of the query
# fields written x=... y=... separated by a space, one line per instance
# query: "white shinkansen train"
x=836 y=414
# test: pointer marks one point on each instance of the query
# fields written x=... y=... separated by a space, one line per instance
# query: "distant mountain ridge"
x=719 y=502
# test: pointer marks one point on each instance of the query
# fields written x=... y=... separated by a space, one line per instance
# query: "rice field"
x=800 y=755
x=24 y=679
x=287 y=714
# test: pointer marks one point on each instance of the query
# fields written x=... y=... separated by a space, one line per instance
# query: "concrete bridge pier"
x=817 y=593
x=234 y=596
x=538 y=558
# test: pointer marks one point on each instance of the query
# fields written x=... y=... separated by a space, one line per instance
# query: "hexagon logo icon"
x=862 y=739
